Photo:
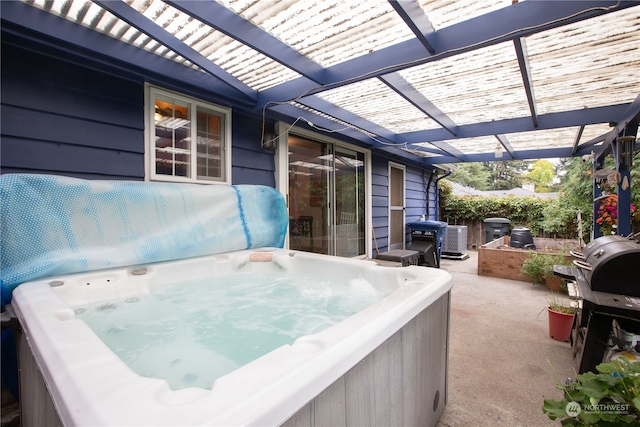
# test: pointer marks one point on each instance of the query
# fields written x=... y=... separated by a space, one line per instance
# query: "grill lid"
x=598 y=243
x=612 y=265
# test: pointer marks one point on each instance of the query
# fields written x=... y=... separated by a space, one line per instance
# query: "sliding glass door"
x=326 y=198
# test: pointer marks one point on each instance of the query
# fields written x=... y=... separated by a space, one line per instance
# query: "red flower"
x=608 y=214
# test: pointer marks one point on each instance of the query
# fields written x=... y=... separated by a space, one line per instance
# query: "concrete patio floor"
x=500 y=352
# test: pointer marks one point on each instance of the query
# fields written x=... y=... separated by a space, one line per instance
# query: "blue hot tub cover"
x=53 y=225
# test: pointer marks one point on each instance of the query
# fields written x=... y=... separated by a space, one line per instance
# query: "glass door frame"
x=282 y=172
x=398 y=209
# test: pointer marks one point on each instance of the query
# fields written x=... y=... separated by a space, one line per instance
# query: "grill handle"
x=577 y=255
x=583 y=265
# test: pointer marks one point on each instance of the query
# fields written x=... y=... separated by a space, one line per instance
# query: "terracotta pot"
x=560 y=325
x=553 y=282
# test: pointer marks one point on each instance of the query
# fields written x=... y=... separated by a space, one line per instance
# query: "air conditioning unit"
x=455 y=239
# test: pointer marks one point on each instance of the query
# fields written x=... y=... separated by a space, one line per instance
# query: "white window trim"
x=282 y=172
x=149 y=136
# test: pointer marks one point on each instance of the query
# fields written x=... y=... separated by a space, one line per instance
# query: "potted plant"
x=539 y=267
x=560 y=319
x=610 y=397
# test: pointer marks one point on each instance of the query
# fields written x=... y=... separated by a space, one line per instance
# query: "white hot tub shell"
x=386 y=365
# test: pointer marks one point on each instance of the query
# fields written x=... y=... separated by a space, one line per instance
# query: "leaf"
x=589 y=417
x=594 y=388
x=627 y=419
x=575 y=395
x=570 y=422
x=554 y=408
x=609 y=368
x=610 y=379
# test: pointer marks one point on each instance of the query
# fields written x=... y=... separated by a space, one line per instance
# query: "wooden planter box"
x=496 y=259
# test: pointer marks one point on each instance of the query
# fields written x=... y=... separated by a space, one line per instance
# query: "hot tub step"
x=404 y=256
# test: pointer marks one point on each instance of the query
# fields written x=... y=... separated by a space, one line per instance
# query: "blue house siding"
x=251 y=164
x=380 y=202
x=63 y=118
x=417 y=202
x=415 y=198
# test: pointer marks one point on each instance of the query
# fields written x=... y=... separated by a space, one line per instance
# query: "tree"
x=474 y=175
x=542 y=174
x=575 y=195
x=507 y=175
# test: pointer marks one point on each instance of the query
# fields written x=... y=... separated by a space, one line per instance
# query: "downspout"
x=438 y=193
x=426 y=192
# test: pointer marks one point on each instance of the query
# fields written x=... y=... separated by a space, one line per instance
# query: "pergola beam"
x=403 y=88
x=224 y=20
x=75 y=40
x=153 y=30
x=518 y=20
x=525 y=71
x=579 y=117
x=413 y=15
x=504 y=142
x=630 y=118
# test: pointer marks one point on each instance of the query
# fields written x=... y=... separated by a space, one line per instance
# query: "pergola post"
x=623 y=150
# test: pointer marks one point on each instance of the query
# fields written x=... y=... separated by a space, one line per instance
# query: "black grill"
x=607 y=279
x=612 y=264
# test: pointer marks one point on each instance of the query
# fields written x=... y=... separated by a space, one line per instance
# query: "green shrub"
x=540 y=265
x=610 y=397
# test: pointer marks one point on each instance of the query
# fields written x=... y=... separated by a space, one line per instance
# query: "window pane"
x=209 y=146
x=397 y=187
x=173 y=137
x=308 y=196
x=349 y=187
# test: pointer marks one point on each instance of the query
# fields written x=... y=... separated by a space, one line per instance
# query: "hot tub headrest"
x=52 y=225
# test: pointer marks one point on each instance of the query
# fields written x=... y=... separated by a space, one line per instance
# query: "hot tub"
x=74 y=247
x=385 y=365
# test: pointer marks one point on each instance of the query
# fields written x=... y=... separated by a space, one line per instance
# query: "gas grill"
x=607 y=281
x=611 y=264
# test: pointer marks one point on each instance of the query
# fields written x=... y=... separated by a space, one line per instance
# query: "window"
x=172 y=153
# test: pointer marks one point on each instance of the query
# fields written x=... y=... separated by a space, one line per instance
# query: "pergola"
x=433 y=82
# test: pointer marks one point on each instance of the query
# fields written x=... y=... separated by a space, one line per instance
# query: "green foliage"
x=576 y=194
x=540 y=265
x=557 y=217
x=560 y=217
x=542 y=174
x=491 y=175
x=609 y=398
x=521 y=211
x=474 y=175
x=560 y=307
x=507 y=175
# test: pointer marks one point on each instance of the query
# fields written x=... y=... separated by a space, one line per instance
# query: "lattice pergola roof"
x=433 y=81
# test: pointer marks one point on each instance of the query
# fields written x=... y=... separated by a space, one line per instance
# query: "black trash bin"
x=496 y=228
x=426 y=238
